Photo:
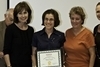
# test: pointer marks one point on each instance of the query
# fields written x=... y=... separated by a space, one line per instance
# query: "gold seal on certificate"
x=49 y=58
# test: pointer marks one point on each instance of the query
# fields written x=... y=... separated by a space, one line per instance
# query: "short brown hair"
x=19 y=7
x=54 y=13
x=78 y=10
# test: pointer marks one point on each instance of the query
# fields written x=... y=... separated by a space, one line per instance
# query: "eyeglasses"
x=51 y=19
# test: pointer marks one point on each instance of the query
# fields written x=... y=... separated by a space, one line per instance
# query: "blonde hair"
x=78 y=10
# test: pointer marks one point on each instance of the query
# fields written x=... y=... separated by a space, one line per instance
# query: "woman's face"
x=23 y=16
x=49 y=21
x=98 y=12
x=76 y=20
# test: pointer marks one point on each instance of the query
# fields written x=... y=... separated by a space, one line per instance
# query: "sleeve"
x=62 y=39
x=95 y=30
x=32 y=30
x=7 y=41
x=90 y=40
x=34 y=40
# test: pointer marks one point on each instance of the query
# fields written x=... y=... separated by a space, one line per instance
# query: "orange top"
x=77 y=48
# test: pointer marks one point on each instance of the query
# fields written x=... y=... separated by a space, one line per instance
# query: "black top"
x=97 y=42
x=42 y=42
x=17 y=44
x=97 y=38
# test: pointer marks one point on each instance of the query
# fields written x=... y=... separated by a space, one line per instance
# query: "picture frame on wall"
x=4 y=5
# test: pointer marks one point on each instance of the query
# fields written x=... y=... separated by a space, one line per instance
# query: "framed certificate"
x=49 y=58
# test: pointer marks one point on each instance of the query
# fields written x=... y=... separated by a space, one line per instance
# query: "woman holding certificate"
x=79 y=44
x=48 y=38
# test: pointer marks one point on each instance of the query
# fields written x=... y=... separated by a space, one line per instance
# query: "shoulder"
x=88 y=31
x=39 y=32
x=96 y=26
x=2 y=23
x=31 y=28
x=68 y=30
x=11 y=26
x=59 y=32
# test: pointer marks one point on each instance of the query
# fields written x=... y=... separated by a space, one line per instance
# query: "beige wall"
x=3 y=8
x=63 y=7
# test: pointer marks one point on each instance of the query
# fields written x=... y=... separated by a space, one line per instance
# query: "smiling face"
x=22 y=16
x=76 y=20
x=98 y=11
x=49 y=21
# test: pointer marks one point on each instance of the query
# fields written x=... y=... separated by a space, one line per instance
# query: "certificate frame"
x=49 y=58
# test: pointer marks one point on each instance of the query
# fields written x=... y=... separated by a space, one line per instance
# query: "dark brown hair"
x=54 y=13
x=20 y=7
x=98 y=3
